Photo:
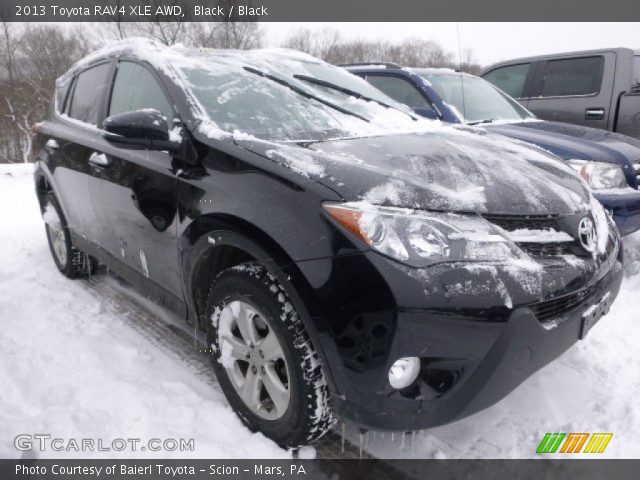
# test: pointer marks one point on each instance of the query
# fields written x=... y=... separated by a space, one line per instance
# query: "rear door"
x=515 y=80
x=72 y=146
x=575 y=90
x=136 y=200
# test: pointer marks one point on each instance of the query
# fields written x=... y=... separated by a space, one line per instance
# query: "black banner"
x=319 y=469
x=317 y=10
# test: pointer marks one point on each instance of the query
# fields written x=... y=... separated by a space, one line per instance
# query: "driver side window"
x=135 y=88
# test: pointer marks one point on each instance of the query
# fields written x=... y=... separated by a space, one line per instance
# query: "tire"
x=70 y=261
x=250 y=291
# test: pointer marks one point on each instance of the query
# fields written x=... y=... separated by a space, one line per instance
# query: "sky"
x=491 y=42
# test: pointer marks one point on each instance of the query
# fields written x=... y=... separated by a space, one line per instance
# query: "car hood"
x=450 y=169
x=574 y=141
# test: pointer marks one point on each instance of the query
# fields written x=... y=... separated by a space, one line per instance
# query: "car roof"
x=153 y=52
x=559 y=55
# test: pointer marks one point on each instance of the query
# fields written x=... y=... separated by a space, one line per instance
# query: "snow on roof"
x=178 y=62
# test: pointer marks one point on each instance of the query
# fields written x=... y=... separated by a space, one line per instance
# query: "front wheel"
x=263 y=358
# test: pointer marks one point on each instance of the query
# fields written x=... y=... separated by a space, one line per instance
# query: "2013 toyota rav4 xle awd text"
x=345 y=258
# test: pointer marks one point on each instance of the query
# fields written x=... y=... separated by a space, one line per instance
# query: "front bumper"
x=625 y=209
x=469 y=365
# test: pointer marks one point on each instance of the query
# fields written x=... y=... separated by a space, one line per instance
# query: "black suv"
x=343 y=256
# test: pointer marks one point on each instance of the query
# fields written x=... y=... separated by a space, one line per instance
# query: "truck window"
x=399 y=89
x=510 y=79
x=573 y=76
x=136 y=88
x=636 y=69
x=87 y=93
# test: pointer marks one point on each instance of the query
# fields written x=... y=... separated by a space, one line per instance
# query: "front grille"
x=548 y=249
x=532 y=222
x=538 y=222
x=560 y=306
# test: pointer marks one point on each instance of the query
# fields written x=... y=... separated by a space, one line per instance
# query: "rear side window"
x=574 y=76
x=89 y=87
x=511 y=79
x=136 y=88
x=399 y=89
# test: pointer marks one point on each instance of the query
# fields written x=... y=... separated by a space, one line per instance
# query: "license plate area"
x=594 y=313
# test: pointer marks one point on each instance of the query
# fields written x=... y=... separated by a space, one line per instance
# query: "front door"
x=136 y=200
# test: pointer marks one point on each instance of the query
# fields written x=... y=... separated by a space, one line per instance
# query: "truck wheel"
x=263 y=358
x=70 y=261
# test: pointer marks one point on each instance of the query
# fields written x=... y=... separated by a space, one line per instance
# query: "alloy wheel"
x=254 y=360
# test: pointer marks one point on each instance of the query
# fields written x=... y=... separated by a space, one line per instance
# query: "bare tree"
x=325 y=44
x=468 y=62
x=328 y=45
x=10 y=147
x=236 y=35
x=33 y=57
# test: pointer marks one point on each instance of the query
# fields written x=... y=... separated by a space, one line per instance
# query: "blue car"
x=609 y=162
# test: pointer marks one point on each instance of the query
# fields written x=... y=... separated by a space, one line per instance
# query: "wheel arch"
x=213 y=243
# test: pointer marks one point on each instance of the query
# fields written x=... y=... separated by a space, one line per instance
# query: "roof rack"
x=365 y=64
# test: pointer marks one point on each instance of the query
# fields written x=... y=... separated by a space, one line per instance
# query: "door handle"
x=52 y=145
x=99 y=160
x=594 y=113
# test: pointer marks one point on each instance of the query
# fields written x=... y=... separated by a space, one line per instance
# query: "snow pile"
x=298 y=160
x=50 y=216
x=539 y=236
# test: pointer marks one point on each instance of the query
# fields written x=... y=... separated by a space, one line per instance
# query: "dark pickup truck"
x=596 y=88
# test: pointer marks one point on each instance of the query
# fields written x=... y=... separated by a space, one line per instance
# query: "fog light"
x=404 y=372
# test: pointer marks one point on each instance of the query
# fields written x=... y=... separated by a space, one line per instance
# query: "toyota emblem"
x=587 y=234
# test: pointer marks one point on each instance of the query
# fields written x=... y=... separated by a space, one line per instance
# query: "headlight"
x=599 y=175
x=420 y=238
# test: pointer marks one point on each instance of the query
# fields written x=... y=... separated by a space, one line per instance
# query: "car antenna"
x=464 y=103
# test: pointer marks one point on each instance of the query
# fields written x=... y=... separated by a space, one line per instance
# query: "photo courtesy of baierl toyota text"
x=319 y=240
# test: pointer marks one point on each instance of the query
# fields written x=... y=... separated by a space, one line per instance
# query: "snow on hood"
x=459 y=170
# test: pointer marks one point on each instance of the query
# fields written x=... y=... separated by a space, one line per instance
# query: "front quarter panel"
x=238 y=187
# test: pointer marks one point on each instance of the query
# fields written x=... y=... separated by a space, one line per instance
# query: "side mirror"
x=427 y=113
x=139 y=130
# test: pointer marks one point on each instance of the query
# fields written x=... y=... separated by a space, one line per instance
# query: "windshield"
x=280 y=97
x=475 y=100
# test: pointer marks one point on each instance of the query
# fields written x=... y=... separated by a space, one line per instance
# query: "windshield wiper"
x=478 y=122
x=304 y=93
x=346 y=91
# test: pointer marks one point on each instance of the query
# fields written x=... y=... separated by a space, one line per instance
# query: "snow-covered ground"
x=71 y=365
x=74 y=366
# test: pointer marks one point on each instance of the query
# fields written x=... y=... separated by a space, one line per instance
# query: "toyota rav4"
x=345 y=258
